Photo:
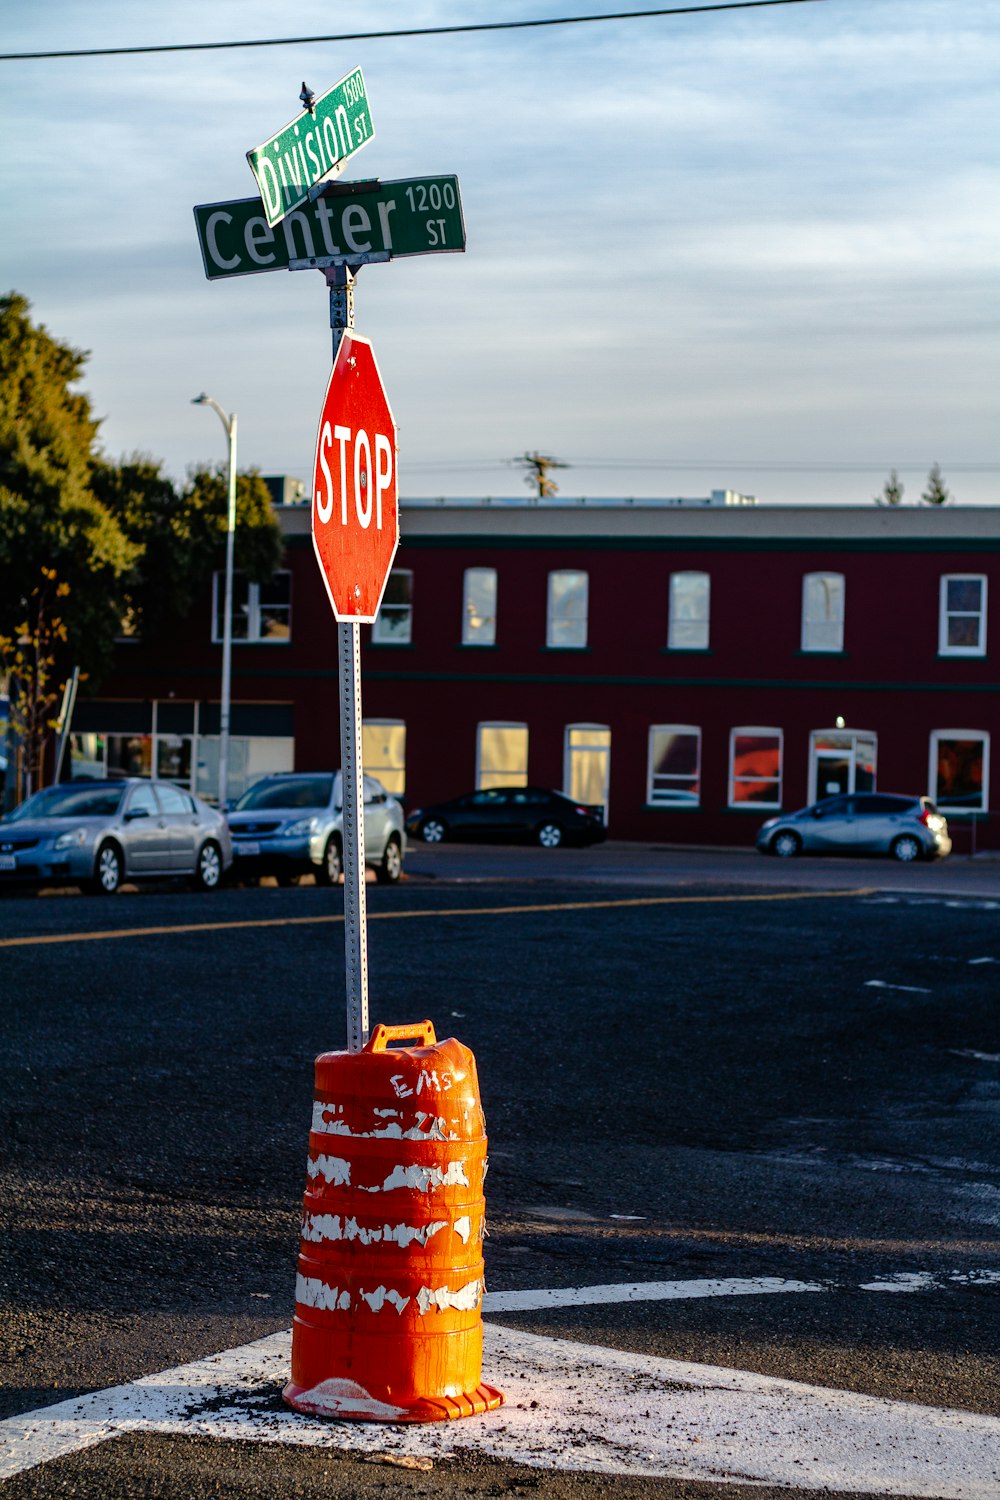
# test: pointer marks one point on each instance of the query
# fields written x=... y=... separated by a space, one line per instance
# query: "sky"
x=753 y=250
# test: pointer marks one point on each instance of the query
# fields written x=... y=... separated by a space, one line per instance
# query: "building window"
x=960 y=770
x=755 y=767
x=674 y=775
x=501 y=756
x=962 y=615
x=689 y=612
x=262 y=612
x=566 y=621
x=394 y=621
x=823 y=612
x=841 y=760
x=383 y=752
x=479 y=607
x=587 y=764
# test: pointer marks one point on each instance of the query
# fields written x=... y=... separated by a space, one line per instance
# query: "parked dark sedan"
x=509 y=814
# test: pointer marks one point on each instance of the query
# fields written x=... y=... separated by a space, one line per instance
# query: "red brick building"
x=692 y=667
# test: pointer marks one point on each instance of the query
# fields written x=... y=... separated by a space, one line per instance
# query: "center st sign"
x=355 y=505
x=316 y=145
x=351 y=223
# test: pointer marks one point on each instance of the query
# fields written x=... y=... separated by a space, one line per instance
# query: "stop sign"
x=355 y=511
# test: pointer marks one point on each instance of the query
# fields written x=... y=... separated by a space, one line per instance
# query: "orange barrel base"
x=388 y=1300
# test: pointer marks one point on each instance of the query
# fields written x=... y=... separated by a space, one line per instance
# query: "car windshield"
x=70 y=802
x=290 y=791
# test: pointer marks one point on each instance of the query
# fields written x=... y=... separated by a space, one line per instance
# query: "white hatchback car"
x=292 y=824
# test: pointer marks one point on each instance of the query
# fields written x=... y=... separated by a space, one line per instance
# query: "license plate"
x=246 y=848
x=8 y=862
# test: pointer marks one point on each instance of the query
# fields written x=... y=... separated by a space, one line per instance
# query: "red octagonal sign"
x=355 y=509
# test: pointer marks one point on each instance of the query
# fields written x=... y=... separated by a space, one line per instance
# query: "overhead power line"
x=378 y=36
x=712 y=465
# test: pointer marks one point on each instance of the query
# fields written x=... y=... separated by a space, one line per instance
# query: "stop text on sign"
x=355 y=500
x=360 y=467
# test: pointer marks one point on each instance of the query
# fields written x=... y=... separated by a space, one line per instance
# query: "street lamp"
x=229 y=423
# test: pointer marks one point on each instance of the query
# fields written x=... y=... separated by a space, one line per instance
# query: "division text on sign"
x=314 y=146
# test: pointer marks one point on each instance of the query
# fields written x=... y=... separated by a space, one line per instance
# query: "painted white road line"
x=642 y=1291
x=635 y=1414
x=907 y=989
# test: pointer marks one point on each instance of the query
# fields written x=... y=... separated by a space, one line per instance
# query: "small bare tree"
x=936 y=492
x=892 y=491
x=29 y=663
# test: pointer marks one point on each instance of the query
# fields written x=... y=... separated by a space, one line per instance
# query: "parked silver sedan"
x=292 y=824
x=98 y=834
x=907 y=828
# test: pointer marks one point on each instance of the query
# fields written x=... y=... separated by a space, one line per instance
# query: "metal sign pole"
x=340 y=280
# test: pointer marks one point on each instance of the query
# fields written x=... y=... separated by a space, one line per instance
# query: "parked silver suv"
x=293 y=824
x=908 y=828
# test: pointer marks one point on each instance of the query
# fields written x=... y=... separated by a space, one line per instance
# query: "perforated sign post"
x=307 y=221
x=355 y=532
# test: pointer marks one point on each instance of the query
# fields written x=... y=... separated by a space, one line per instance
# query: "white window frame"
x=600 y=745
x=253 y=636
x=381 y=619
x=487 y=634
x=937 y=735
x=393 y=777
x=945 y=614
x=652 y=798
x=807 y=623
x=675 y=620
x=772 y=732
x=816 y=756
x=510 y=778
x=550 y=616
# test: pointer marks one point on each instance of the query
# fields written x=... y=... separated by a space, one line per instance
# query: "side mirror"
x=136 y=812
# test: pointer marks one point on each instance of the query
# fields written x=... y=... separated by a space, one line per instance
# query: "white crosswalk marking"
x=637 y=1414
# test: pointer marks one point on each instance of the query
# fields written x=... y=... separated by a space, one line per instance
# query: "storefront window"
x=755 y=768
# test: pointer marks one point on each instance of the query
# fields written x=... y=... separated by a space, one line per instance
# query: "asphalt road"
x=712 y=1073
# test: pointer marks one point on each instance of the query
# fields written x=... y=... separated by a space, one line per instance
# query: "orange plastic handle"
x=424 y=1030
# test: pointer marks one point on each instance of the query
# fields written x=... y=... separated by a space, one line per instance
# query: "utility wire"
x=377 y=36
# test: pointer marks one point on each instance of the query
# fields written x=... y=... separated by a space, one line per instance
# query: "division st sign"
x=350 y=223
x=315 y=145
x=355 y=504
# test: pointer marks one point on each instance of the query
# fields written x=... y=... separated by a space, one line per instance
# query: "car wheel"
x=906 y=849
x=550 y=836
x=433 y=831
x=208 y=870
x=109 y=867
x=330 y=870
x=391 y=867
x=786 y=844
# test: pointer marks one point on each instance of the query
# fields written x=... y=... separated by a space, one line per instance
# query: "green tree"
x=179 y=536
x=892 y=491
x=50 y=517
x=112 y=543
x=936 y=492
x=62 y=554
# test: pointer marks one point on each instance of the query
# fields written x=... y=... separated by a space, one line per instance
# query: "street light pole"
x=229 y=423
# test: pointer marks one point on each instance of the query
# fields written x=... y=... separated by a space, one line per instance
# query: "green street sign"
x=350 y=223
x=315 y=145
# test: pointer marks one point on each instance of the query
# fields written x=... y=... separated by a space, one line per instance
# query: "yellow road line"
x=455 y=911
